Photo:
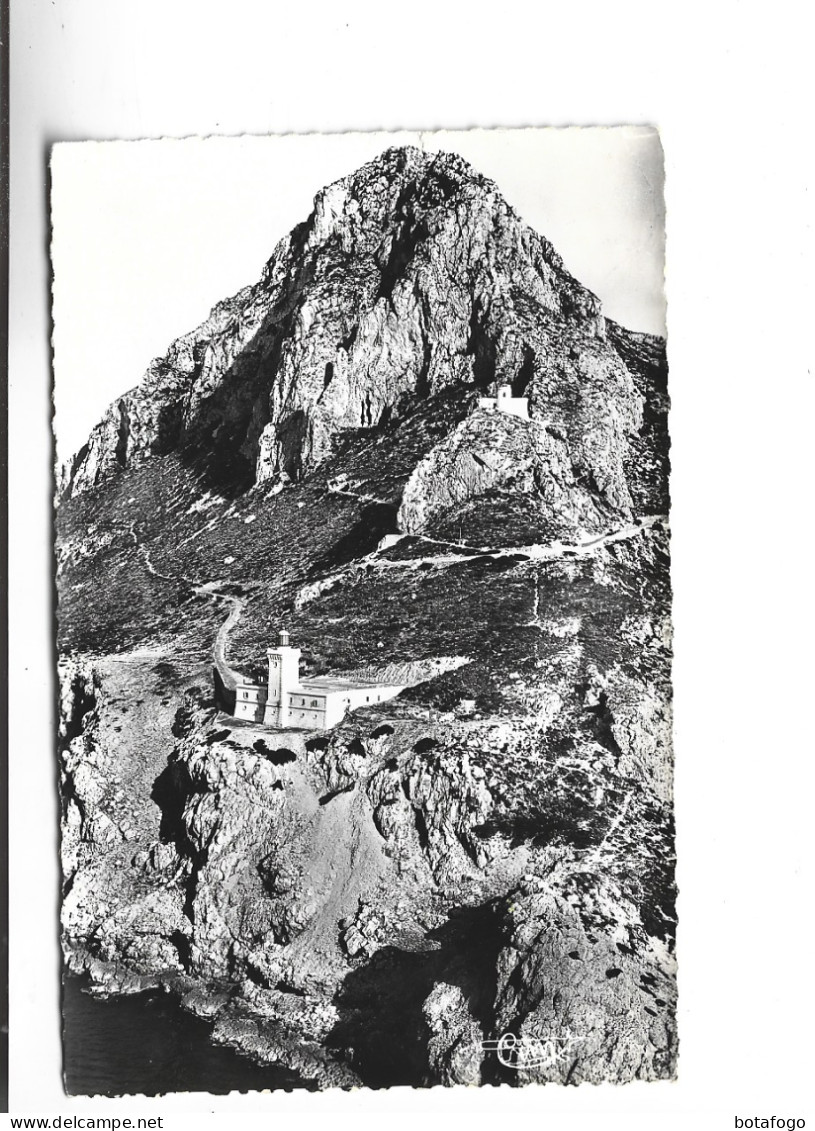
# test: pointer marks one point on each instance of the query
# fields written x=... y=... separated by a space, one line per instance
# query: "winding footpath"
x=533 y=552
x=229 y=677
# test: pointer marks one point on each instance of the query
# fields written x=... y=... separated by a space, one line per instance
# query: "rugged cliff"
x=411 y=276
x=382 y=903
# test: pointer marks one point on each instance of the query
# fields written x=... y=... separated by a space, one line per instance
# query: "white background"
x=725 y=83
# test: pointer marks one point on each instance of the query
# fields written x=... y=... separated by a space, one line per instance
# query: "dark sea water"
x=147 y=1044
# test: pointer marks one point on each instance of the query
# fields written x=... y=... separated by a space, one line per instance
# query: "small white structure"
x=310 y=704
x=505 y=402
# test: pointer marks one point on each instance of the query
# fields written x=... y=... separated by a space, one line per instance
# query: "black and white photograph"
x=364 y=611
x=407 y=573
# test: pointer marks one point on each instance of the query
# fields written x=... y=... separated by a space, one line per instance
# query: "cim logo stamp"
x=521 y=1053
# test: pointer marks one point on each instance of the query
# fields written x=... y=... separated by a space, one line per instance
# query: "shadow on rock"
x=170 y=791
x=389 y=1031
x=375 y=521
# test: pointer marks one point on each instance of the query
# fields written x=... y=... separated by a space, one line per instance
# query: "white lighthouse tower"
x=284 y=677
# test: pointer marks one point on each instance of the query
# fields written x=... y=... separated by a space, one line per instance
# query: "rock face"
x=471 y=883
x=411 y=276
x=491 y=452
x=591 y=1005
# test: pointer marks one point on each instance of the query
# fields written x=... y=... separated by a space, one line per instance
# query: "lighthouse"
x=318 y=703
x=284 y=677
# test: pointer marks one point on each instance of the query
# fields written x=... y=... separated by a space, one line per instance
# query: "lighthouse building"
x=505 y=402
x=308 y=704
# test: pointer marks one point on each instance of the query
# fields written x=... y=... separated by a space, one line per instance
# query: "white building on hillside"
x=505 y=402
x=310 y=704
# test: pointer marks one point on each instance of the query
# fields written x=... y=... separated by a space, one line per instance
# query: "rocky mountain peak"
x=411 y=277
x=401 y=185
